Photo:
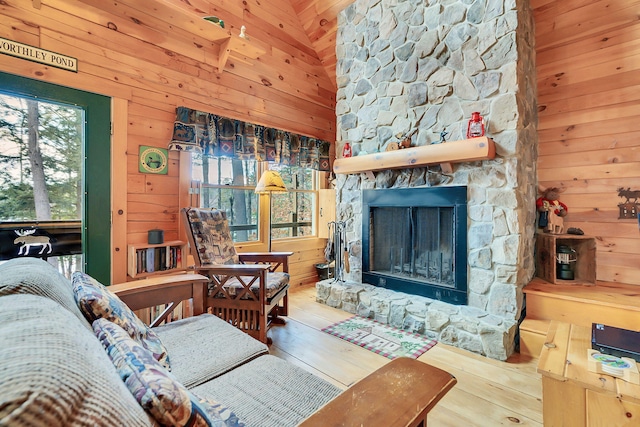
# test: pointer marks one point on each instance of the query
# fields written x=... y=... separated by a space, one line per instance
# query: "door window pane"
x=41 y=177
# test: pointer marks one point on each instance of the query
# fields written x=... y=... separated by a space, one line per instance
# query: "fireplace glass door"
x=414 y=242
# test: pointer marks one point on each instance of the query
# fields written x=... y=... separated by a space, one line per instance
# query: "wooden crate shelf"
x=585 y=266
x=146 y=260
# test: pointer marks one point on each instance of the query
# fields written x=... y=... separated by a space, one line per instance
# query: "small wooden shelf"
x=466 y=150
x=146 y=260
x=232 y=43
x=585 y=266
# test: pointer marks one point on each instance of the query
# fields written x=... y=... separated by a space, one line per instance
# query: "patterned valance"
x=219 y=136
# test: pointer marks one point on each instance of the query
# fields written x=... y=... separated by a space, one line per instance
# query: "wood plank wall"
x=151 y=56
x=588 y=70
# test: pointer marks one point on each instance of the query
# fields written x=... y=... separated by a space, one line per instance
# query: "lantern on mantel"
x=475 y=128
x=346 y=150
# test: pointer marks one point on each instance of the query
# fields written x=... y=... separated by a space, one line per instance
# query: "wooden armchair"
x=244 y=289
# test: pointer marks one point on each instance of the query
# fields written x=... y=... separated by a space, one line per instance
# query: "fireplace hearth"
x=415 y=241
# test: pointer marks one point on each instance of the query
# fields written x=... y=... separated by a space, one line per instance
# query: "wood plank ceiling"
x=319 y=18
x=314 y=27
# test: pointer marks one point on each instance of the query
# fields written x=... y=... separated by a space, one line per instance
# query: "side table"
x=574 y=396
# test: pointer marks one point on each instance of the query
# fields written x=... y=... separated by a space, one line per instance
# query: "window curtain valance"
x=219 y=136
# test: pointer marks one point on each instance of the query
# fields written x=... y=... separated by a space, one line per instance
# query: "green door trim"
x=96 y=232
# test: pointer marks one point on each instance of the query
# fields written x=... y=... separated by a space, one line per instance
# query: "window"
x=228 y=184
x=292 y=212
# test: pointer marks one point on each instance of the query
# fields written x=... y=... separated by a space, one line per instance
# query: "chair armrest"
x=275 y=259
x=233 y=269
x=265 y=256
x=401 y=393
x=163 y=289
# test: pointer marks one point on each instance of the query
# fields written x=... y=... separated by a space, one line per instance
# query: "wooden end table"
x=574 y=396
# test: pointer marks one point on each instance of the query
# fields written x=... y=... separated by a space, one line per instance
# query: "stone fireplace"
x=420 y=68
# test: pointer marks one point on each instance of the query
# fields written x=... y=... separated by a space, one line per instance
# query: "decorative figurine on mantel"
x=443 y=137
x=405 y=141
x=552 y=211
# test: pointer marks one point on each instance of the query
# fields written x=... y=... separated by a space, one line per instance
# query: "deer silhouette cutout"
x=27 y=240
x=629 y=194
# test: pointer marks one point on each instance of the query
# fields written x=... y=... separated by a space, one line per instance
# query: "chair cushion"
x=55 y=373
x=38 y=277
x=157 y=391
x=269 y=391
x=219 y=348
x=96 y=301
x=276 y=281
x=212 y=237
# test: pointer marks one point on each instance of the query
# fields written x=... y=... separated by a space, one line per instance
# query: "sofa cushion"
x=96 y=302
x=37 y=277
x=219 y=348
x=55 y=372
x=269 y=391
x=157 y=391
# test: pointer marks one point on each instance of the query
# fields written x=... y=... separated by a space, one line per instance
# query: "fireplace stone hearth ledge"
x=461 y=326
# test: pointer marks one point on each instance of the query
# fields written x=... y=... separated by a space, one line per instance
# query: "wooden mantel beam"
x=466 y=150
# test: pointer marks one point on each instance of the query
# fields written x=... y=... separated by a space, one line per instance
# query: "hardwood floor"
x=488 y=393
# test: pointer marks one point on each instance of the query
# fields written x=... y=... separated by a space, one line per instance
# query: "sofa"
x=57 y=370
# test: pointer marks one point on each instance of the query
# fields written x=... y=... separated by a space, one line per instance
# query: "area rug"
x=379 y=338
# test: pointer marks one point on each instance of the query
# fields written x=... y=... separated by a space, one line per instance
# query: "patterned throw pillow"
x=157 y=391
x=96 y=301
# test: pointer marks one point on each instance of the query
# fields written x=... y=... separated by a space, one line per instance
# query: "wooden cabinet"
x=574 y=396
x=584 y=268
x=146 y=260
x=326 y=211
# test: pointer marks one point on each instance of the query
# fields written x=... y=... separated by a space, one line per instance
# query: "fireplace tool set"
x=336 y=250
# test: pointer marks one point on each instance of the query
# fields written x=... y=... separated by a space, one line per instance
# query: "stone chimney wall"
x=425 y=66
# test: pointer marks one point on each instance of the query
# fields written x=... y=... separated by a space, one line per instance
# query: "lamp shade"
x=270 y=182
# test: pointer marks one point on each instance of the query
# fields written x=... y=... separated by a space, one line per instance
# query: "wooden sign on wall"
x=629 y=209
x=35 y=54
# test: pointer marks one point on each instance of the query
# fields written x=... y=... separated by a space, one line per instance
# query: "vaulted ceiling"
x=319 y=18
x=308 y=25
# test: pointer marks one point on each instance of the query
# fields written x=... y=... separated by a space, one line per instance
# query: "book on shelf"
x=151 y=261
x=158 y=258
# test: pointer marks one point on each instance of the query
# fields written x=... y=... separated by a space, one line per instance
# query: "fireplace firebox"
x=415 y=241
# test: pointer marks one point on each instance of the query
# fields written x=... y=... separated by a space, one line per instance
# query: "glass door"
x=55 y=174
